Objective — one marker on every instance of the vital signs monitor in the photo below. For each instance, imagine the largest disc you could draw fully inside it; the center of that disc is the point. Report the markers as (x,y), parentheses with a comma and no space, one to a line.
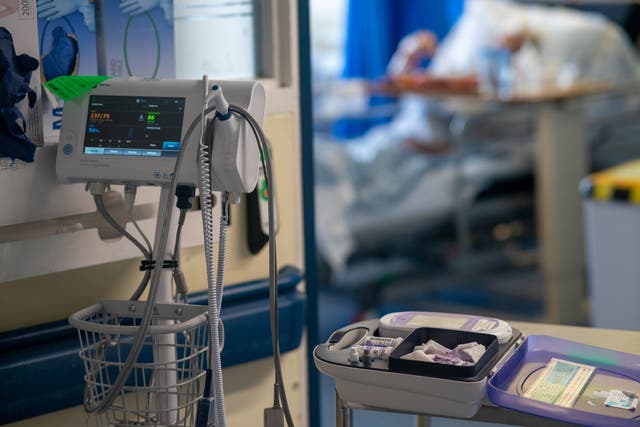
(131,130)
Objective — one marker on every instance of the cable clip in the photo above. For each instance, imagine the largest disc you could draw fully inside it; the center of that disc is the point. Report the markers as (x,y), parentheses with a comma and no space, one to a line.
(226,206)
(151,264)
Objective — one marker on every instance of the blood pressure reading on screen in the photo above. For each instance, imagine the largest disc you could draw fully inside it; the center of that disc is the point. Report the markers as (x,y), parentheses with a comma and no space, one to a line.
(148,126)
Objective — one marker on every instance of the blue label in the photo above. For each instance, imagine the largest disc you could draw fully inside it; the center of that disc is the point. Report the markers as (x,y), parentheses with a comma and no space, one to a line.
(171,145)
(152,153)
(93,150)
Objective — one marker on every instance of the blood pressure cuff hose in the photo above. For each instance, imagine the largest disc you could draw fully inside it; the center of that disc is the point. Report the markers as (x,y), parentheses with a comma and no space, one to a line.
(15,74)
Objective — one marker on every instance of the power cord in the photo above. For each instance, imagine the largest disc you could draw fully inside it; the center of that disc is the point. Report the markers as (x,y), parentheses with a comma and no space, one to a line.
(184,194)
(272,415)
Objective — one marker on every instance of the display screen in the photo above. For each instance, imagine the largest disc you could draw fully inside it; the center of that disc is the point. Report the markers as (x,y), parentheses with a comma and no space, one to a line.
(148,126)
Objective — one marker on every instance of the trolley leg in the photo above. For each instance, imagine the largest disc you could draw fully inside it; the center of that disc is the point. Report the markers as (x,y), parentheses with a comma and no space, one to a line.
(561,163)
(344,414)
(462,200)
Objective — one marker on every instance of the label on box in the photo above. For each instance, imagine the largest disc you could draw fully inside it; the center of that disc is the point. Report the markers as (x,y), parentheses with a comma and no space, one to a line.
(73,54)
(622,399)
(26,9)
(560,383)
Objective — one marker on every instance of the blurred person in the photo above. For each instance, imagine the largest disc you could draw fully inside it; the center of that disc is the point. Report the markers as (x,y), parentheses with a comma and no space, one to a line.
(545,46)
(571,45)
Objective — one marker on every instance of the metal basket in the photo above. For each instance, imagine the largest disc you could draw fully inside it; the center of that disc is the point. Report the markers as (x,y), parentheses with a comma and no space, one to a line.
(107,331)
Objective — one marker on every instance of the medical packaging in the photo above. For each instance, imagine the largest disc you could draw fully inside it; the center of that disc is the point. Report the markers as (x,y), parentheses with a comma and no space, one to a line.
(540,375)
(137,40)
(67,47)
(447,339)
(19,19)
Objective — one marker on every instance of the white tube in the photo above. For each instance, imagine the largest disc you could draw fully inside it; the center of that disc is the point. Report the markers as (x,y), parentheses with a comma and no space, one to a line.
(164,349)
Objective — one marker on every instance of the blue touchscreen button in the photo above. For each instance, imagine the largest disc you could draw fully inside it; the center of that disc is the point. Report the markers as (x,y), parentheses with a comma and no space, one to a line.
(171,145)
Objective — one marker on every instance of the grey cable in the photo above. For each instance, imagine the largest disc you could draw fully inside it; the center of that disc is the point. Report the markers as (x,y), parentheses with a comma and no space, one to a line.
(99,202)
(279,389)
(273,264)
(147,273)
(142,286)
(222,247)
(120,229)
(142,234)
(176,247)
(178,276)
(139,339)
(273,296)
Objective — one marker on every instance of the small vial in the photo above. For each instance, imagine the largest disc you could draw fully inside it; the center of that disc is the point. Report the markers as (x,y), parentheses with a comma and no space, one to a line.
(371,352)
(381,342)
(354,356)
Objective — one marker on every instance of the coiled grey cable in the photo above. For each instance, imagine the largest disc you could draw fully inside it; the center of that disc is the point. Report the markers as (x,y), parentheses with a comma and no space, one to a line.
(215,364)
(279,389)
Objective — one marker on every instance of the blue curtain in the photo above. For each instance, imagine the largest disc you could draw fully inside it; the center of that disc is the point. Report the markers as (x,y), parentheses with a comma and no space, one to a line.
(374,28)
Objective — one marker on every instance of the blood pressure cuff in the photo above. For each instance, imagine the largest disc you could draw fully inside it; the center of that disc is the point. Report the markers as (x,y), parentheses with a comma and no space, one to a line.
(15,74)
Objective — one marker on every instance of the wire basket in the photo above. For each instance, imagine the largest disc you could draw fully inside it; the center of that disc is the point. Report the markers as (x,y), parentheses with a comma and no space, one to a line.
(167,378)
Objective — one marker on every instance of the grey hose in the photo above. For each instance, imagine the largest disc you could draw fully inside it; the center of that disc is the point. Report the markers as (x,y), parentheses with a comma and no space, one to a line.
(273,263)
(178,275)
(99,202)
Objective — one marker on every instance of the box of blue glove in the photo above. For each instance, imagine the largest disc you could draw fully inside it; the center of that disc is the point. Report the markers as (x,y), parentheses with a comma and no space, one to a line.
(21,127)
(66,35)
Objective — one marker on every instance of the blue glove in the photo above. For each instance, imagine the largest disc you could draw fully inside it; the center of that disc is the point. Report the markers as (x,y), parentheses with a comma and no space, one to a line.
(15,74)
(86,9)
(54,9)
(136,7)
(62,58)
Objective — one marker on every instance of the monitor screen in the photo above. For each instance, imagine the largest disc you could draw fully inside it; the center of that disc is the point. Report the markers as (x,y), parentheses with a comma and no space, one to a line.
(149,126)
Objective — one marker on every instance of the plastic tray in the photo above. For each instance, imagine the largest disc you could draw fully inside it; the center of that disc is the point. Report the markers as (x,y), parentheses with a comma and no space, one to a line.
(614,370)
(448,338)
